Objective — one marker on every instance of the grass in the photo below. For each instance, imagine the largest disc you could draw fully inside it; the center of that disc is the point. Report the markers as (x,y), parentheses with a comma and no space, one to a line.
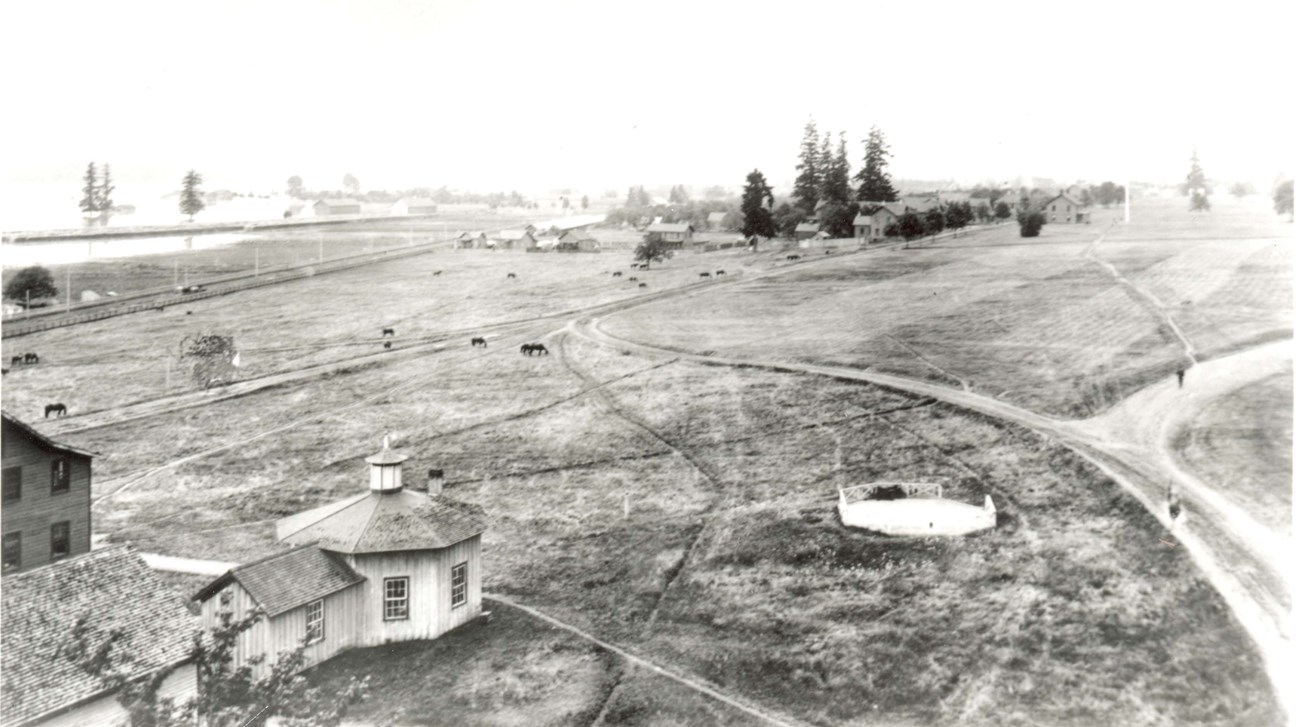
(728,562)
(1246,438)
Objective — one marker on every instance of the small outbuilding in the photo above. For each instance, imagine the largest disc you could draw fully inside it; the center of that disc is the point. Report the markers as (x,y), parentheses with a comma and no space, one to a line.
(577,241)
(415,206)
(674,234)
(717,221)
(912,508)
(514,240)
(388,564)
(471,241)
(331,207)
(1064,208)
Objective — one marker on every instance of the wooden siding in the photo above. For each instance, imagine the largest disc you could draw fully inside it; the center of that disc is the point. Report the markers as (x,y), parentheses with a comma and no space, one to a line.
(178,686)
(38,509)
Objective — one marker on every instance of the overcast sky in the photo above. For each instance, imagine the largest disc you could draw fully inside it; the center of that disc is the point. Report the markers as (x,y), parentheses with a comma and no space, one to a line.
(588,94)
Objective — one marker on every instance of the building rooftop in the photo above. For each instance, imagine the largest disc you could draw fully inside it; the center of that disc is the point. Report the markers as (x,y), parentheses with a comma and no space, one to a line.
(110,589)
(670,227)
(376,522)
(287,580)
(25,430)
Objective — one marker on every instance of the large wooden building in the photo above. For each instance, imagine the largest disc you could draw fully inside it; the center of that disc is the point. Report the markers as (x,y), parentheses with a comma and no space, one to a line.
(673,234)
(1064,208)
(46,503)
(389,564)
(97,594)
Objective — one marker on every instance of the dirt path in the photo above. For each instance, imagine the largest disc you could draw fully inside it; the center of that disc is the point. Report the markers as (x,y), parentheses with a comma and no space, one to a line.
(1226,549)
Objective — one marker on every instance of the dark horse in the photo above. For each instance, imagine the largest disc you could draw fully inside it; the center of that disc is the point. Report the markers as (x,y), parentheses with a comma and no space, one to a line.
(791,257)
(642,285)
(387,345)
(478,341)
(388,332)
(16,361)
(58,409)
(618,274)
(31,358)
(705,275)
(509,275)
(721,272)
(528,349)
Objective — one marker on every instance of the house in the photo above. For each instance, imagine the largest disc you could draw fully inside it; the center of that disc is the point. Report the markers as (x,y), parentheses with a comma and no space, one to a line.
(102,592)
(1064,208)
(559,226)
(1011,199)
(921,204)
(541,243)
(513,240)
(46,502)
(674,234)
(806,230)
(388,564)
(578,241)
(717,220)
(471,241)
(413,206)
(871,227)
(331,207)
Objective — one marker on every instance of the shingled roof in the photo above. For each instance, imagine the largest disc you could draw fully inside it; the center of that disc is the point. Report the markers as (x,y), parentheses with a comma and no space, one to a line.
(113,589)
(285,581)
(25,430)
(376,522)
(670,227)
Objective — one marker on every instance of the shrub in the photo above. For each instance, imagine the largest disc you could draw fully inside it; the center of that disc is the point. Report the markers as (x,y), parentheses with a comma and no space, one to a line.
(1031,223)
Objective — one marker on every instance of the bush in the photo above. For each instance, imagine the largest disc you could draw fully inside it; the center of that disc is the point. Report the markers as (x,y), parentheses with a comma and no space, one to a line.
(1031,223)
(35,281)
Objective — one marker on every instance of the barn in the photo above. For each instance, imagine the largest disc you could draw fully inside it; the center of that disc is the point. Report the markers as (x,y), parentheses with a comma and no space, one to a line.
(577,241)
(388,564)
(331,207)
(103,592)
(515,240)
(805,230)
(674,234)
(46,506)
(471,241)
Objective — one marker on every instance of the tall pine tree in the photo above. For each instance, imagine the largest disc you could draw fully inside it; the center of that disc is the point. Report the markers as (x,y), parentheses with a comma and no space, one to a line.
(758,217)
(191,198)
(836,189)
(104,195)
(90,190)
(1196,186)
(874,184)
(807,184)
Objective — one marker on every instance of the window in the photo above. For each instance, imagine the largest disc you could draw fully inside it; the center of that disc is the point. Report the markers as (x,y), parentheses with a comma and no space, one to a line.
(60,476)
(13,484)
(60,540)
(13,551)
(396,596)
(315,621)
(458,584)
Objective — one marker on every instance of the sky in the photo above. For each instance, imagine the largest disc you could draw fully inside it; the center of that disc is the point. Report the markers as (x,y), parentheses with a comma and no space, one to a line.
(589,95)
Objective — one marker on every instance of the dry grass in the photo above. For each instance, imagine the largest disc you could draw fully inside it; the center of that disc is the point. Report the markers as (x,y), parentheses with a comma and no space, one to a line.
(1245,438)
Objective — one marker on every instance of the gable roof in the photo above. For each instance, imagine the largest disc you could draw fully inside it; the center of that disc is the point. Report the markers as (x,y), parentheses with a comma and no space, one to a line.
(923,203)
(377,522)
(512,234)
(717,216)
(339,202)
(471,235)
(894,208)
(285,581)
(572,236)
(670,227)
(806,227)
(25,430)
(114,589)
(1067,198)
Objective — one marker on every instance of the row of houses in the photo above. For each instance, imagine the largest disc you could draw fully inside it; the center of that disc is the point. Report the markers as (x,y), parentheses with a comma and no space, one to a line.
(1065,207)
(347,206)
(567,234)
(390,563)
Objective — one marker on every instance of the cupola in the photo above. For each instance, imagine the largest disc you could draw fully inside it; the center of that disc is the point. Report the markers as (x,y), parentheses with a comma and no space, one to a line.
(386,469)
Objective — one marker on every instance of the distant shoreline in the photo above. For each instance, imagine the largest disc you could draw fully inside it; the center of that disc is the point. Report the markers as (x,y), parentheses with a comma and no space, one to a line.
(190,229)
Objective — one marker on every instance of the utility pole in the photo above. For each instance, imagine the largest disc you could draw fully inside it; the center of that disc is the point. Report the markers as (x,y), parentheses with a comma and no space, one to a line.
(176,273)
(68,283)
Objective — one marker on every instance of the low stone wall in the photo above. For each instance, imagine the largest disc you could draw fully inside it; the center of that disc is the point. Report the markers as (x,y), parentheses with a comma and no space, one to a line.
(919,516)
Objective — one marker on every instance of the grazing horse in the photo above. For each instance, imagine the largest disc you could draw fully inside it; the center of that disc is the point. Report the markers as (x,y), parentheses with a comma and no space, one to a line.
(478,341)
(31,358)
(58,409)
(437,272)
(642,285)
(721,272)
(528,349)
(16,361)
(618,274)
(636,265)
(644,266)
(791,257)
(388,345)
(705,275)
(388,332)
(509,275)
(631,279)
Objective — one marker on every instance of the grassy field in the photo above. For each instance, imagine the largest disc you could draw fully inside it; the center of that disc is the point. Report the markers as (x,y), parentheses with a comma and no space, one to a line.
(687,511)
(1036,322)
(1246,438)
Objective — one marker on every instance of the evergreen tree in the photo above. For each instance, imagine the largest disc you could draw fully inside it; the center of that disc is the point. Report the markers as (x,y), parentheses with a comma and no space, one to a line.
(295,187)
(104,195)
(1003,211)
(836,188)
(909,226)
(1196,186)
(874,184)
(191,198)
(584,201)
(934,221)
(90,190)
(1284,198)
(807,184)
(824,161)
(758,218)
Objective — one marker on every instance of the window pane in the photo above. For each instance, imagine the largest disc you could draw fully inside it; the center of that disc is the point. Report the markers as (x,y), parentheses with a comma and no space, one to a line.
(13,483)
(315,621)
(458,584)
(13,551)
(59,540)
(60,477)
(395,598)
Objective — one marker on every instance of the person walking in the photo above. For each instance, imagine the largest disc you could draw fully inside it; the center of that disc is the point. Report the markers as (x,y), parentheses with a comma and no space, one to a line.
(1181,373)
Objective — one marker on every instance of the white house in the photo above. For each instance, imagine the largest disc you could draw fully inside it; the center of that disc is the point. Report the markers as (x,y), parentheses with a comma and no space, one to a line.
(107,590)
(414,206)
(388,564)
(330,207)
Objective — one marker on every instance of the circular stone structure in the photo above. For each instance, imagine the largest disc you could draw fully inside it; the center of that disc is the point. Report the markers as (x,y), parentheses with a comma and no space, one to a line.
(912,508)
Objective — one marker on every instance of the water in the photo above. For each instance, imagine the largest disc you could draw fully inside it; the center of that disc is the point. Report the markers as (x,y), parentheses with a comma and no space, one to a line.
(64,252)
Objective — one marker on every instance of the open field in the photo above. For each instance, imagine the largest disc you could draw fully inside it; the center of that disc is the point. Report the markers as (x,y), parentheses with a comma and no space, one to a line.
(1035,322)
(1246,438)
(686,511)
(731,565)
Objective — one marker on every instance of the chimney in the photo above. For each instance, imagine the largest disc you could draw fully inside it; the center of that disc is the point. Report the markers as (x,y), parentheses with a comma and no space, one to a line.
(386,469)
(435,483)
